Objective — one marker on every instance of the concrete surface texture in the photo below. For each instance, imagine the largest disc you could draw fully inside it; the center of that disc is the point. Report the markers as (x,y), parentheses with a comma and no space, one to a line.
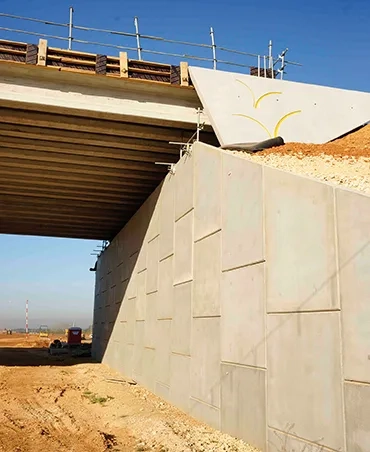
(239,293)
(257,108)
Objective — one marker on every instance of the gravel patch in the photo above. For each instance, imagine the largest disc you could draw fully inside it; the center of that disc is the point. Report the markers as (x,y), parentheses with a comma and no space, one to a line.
(344,162)
(346,171)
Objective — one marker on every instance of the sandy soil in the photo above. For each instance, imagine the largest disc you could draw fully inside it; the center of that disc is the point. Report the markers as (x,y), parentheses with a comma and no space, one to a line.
(68,404)
(343,162)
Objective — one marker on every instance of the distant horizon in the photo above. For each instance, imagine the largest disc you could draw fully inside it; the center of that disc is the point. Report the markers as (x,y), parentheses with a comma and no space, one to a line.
(16,323)
(53,274)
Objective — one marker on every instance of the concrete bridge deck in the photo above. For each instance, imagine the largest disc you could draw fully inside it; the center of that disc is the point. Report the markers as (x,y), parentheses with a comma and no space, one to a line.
(78,147)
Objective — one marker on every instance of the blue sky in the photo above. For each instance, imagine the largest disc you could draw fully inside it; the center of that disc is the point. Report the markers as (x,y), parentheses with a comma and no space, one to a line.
(330,38)
(53,274)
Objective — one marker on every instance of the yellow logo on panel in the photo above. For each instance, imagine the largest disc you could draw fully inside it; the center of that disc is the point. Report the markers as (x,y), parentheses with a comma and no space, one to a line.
(256,104)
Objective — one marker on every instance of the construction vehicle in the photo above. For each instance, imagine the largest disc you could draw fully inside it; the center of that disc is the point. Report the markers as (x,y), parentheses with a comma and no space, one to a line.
(73,346)
(43,331)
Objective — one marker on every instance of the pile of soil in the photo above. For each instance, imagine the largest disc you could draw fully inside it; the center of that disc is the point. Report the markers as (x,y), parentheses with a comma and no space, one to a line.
(345,161)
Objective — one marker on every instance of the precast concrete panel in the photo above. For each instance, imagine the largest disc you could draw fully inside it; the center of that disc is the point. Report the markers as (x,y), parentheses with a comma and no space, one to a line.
(207,273)
(138,350)
(180,381)
(184,248)
(242,212)
(153,213)
(279,441)
(165,289)
(353,216)
(304,382)
(243,403)
(162,391)
(207,413)
(150,328)
(248,109)
(207,190)
(141,296)
(149,361)
(357,409)
(184,187)
(182,318)
(152,270)
(167,218)
(243,316)
(163,348)
(128,359)
(205,360)
(301,272)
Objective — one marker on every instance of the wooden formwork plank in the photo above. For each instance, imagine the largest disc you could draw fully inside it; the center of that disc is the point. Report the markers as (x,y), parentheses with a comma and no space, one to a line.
(123,64)
(41,56)
(184,73)
(57,50)
(68,60)
(13,51)
(150,71)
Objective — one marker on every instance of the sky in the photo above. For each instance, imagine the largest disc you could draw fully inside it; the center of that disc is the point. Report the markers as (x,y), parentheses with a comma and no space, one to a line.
(331,39)
(53,274)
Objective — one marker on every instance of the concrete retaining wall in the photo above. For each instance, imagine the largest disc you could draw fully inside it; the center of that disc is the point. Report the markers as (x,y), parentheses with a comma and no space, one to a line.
(241,294)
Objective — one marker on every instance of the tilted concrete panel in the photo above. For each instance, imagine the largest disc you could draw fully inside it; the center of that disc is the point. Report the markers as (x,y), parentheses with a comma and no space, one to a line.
(353,216)
(149,361)
(182,318)
(305,377)
(180,381)
(184,187)
(150,328)
(127,359)
(207,190)
(167,218)
(281,442)
(153,206)
(165,288)
(206,413)
(357,406)
(242,222)
(301,271)
(243,404)
(125,313)
(132,286)
(152,271)
(243,316)
(184,248)
(138,350)
(163,348)
(162,390)
(205,360)
(207,273)
(141,296)
(245,109)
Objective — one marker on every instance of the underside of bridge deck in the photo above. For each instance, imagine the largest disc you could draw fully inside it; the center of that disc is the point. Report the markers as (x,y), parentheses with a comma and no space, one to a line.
(79,174)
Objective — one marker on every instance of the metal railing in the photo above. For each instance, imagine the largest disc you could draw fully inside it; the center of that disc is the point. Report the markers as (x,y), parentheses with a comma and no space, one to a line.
(262,65)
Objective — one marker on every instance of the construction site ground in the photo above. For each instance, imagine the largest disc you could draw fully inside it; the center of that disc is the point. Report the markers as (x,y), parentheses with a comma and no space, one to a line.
(344,162)
(51,403)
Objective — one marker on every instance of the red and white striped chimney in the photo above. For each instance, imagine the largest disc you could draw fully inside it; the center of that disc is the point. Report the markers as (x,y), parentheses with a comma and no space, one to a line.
(27,317)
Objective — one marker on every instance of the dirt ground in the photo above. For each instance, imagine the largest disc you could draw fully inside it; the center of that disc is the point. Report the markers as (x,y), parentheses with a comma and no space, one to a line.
(50,403)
